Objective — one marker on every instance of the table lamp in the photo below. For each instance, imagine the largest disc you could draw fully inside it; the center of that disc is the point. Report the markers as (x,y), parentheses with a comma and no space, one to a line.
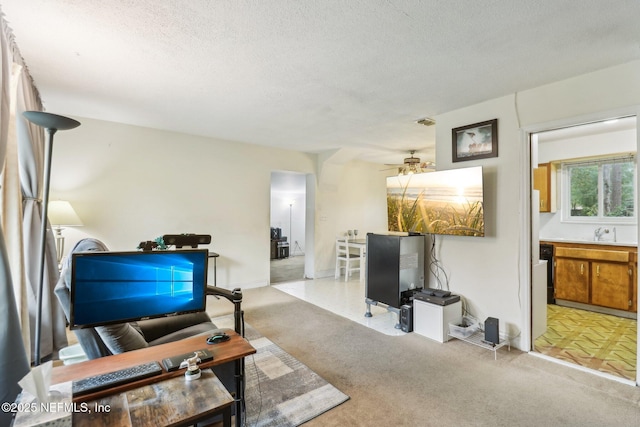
(61,214)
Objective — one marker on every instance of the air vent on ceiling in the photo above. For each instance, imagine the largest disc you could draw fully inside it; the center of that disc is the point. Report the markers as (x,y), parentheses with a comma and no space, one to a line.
(426,121)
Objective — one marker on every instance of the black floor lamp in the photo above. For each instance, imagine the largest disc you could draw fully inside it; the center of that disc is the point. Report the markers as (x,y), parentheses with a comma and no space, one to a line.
(52,123)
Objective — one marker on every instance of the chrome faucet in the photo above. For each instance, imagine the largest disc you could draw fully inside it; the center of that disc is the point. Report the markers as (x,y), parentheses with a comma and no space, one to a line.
(597,234)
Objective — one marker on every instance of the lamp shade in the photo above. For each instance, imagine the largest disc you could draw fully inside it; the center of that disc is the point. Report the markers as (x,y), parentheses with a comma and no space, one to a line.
(50,121)
(61,213)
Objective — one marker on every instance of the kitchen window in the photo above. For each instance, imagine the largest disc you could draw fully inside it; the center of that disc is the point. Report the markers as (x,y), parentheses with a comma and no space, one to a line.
(602,189)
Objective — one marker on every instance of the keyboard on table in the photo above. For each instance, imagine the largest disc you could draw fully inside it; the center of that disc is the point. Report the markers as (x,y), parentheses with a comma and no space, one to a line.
(115,378)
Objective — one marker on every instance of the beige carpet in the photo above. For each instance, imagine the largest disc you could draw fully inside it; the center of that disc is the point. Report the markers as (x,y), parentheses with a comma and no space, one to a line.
(413,381)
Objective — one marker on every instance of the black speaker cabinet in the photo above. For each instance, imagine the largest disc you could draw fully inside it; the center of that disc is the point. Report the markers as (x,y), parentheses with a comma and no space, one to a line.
(492,330)
(406,318)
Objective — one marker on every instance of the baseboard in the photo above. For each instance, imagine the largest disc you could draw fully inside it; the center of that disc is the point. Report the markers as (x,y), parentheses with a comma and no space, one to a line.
(583,368)
(324,273)
(248,285)
(597,309)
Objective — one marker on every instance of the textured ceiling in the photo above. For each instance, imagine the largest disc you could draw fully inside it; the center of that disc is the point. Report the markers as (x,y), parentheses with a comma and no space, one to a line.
(309,75)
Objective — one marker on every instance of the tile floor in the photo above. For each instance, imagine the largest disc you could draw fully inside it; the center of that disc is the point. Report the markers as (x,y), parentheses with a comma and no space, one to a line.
(345,299)
(597,341)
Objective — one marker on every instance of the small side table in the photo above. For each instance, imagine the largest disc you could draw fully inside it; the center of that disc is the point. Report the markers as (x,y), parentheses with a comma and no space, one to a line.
(173,402)
(432,320)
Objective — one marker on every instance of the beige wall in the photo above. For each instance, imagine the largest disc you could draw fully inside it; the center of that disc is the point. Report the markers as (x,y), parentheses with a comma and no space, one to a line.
(351,195)
(130,184)
(485,270)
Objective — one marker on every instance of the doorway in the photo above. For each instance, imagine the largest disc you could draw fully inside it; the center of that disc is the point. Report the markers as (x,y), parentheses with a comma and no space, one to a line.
(288,226)
(581,327)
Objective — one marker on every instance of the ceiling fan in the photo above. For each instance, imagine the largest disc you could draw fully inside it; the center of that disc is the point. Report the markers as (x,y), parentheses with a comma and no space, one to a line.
(413,165)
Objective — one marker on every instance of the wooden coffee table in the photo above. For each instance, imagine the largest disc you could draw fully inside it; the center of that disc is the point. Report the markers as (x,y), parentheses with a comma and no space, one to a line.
(173,402)
(167,395)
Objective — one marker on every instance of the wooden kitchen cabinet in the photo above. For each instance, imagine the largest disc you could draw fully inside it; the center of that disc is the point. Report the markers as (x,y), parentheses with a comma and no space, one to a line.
(634,287)
(604,277)
(544,182)
(572,280)
(611,285)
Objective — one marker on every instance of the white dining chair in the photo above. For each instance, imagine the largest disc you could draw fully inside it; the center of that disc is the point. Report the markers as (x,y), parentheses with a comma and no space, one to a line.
(345,259)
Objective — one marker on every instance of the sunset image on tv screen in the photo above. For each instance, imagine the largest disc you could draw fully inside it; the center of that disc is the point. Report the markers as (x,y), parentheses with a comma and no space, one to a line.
(442,202)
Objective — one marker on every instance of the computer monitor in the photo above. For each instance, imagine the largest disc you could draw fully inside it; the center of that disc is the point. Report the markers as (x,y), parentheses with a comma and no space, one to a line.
(117,287)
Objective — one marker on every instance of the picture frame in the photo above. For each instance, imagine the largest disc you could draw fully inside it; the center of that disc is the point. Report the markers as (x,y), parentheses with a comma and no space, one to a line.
(476,141)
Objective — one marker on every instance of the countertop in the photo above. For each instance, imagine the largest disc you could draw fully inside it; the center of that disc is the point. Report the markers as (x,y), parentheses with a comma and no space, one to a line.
(588,242)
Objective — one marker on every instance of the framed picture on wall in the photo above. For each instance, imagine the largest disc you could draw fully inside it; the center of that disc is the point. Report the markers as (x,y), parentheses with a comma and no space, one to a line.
(476,141)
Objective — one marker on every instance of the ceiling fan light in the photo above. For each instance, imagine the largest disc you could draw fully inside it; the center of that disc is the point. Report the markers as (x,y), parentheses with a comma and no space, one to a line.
(413,165)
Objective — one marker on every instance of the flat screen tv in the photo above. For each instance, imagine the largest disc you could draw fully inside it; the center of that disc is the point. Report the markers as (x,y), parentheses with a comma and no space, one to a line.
(441,202)
(117,287)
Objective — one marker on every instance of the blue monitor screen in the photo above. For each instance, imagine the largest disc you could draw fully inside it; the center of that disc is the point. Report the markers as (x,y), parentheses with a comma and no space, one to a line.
(116,287)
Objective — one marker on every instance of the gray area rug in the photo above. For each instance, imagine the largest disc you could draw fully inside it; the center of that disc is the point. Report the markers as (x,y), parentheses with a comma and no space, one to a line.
(280,390)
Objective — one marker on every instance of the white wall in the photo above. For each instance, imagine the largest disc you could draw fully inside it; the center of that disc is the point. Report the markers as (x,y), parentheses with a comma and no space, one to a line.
(490,272)
(131,184)
(288,208)
(622,141)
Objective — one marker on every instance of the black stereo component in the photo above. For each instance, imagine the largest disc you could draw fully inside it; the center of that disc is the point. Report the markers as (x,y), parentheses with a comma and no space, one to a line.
(406,297)
(276,233)
(180,240)
(433,299)
(492,331)
(406,318)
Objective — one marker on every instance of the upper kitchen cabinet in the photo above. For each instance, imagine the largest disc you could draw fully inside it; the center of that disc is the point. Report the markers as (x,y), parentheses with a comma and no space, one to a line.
(544,181)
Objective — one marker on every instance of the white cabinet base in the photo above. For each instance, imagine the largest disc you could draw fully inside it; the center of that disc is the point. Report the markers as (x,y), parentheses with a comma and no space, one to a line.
(432,320)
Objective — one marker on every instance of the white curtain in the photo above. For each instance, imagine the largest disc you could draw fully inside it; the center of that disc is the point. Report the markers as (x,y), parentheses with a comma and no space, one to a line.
(12,217)
(13,358)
